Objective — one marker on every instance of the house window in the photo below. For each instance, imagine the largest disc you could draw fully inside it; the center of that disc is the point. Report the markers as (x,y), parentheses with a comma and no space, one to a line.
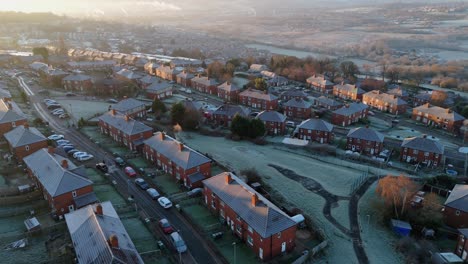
(239,229)
(457,212)
(221,204)
(250,240)
(74,193)
(250,229)
(238,218)
(213,204)
(27,148)
(278,234)
(221,212)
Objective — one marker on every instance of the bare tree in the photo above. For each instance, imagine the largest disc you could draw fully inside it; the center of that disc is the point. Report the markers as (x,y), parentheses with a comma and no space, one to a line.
(395,191)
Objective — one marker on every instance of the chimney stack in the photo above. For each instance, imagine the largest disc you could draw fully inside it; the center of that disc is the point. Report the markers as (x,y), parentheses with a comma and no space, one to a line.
(228,178)
(26,125)
(99,209)
(113,112)
(254,200)
(162,135)
(9,105)
(51,150)
(114,241)
(65,164)
(181,146)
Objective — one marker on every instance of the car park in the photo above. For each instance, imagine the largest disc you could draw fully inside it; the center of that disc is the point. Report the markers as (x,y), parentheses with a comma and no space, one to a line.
(85,157)
(164,202)
(53,106)
(64,115)
(165,226)
(178,242)
(153,193)
(141,183)
(130,172)
(55,137)
(102,167)
(73,151)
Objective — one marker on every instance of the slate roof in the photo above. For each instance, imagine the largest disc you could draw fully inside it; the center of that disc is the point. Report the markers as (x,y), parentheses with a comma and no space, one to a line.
(365,133)
(294,93)
(185,75)
(398,91)
(4,93)
(265,218)
(258,67)
(39,66)
(186,158)
(128,127)
(148,79)
(228,87)
(349,88)
(444,113)
(328,101)
(258,94)
(21,136)
(231,110)
(8,115)
(129,74)
(423,144)
(127,105)
(350,109)
(271,116)
(297,103)
(204,81)
(318,79)
(47,168)
(158,87)
(90,233)
(458,198)
(387,98)
(316,124)
(77,77)
(196,177)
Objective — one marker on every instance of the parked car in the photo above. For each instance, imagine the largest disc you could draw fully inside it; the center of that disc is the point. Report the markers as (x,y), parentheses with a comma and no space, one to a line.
(102,167)
(178,242)
(70,94)
(130,172)
(64,115)
(79,153)
(59,112)
(55,137)
(166,226)
(68,148)
(73,151)
(112,101)
(119,161)
(62,142)
(85,157)
(49,101)
(53,106)
(141,183)
(290,124)
(164,202)
(195,192)
(153,193)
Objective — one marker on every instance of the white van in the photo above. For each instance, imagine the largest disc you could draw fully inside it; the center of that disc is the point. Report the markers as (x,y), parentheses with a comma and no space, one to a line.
(178,242)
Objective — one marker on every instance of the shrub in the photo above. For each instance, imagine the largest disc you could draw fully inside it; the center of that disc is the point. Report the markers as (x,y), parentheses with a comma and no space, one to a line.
(251,175)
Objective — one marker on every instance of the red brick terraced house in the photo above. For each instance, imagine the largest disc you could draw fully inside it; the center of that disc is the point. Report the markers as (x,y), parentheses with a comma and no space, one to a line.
(205,84)
(456,207)
(267,230)
(78,82)
(181,162)
(422,150)
(127,75)
(147,81)
(292,94)
(258,99)
(399,92)
(124,130)
(25,140)
(365,140)
(444,118)
(275,122)
(328,103)
(348,92)
(229,92)
(167,73)
(225,113)
(131,107)
(422,98)
(320,83)
(385,102)
(65,186)
(184,78)
(159,90)
(315,130)
(11,116)
(461,249)
(297,108)
(151,67)
(349,114)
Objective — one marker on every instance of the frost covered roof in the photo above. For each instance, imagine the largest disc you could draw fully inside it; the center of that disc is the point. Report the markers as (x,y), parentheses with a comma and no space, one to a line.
(316,124)
(21,136)
(271,116)
(458,198)
(125,124)
(366,134)
(423,144)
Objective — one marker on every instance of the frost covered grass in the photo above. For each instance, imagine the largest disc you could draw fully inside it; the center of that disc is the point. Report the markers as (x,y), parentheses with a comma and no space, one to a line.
(341,213)
(83,109)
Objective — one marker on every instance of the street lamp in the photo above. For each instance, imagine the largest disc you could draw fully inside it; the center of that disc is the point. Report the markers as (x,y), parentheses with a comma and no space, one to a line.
(234,244)
(464,150)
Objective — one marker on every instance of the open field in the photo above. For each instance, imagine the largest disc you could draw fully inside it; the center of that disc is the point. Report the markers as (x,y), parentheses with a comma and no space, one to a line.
(83,109)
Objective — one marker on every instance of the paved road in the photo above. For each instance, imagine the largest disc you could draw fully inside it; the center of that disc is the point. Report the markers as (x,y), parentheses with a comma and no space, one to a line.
(199,251)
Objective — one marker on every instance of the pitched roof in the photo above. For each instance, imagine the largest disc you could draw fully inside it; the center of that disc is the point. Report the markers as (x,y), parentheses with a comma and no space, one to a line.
(387,98)
(366,134)
(350,109)
(158,86)
(258,67)
(271,116)
(398,91)
(316,124)
(185,75)
(127,105)
(4,93)
(458,198)
(129,74)
(349,88)
(444,113)
(423,144)
(10,112)
(90,233)
(231,110)
(298,103)
(320,79)
(265,218)
(228,87)
(186,157)
(328,101)
(47,168)
(258,94)
(148,79)
(77,77)
(21,136)
(294,93)
(204,81)
(128,127)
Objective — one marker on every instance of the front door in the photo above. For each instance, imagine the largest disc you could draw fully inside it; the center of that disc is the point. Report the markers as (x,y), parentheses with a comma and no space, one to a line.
(283,247)
(260,253)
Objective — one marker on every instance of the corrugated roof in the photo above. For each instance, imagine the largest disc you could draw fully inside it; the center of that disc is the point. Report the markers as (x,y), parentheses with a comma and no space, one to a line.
(316,124)
(128,104)
(444,113)
(265,218)
(458,198)
(186,158)
(91,232)
(271,116)
(47,168)
(21,136)
(366,134)
(129,126)
(350,109)
(423,144)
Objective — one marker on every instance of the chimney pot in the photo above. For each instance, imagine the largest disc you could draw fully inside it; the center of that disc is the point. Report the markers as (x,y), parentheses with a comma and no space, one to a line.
(181,146)
(254,200)
(114,241)
(65,164)
(126,118)
(99,209)
(113,112)
(162,135)
(228,178)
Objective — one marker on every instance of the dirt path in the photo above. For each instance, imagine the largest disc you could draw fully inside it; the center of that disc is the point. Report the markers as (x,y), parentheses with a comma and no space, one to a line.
(331,200)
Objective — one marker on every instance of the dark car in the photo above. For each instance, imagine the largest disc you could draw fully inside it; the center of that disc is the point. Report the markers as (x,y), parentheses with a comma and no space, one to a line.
(70,94)
(102,167)
(119,161)
(166,226)
(141,183)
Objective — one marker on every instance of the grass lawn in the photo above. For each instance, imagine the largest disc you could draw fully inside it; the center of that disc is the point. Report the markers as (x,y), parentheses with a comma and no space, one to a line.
(95,176)
(167,184)
(108,193)
(200,215)
(141,236)
(139,162)
(215,170)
